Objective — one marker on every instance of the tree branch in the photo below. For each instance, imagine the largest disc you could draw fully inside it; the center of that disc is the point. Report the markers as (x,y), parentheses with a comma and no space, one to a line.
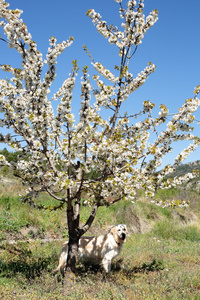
(90,219)
(55,197)
(4,40)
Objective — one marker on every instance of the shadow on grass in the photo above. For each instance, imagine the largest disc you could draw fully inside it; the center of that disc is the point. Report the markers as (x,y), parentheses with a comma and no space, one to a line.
(153,266)
(21,261)
(29,270)
(117,266)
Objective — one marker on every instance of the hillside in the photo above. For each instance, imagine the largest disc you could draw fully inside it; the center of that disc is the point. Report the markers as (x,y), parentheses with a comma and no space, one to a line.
(186,168)
(160,259)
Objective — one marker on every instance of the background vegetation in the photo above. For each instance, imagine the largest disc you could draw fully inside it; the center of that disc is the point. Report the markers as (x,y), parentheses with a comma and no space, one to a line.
(160,260)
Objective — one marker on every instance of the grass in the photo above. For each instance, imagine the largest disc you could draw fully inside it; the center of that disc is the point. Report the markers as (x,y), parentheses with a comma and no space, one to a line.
(171,230)
(160,259)
(148,268)
(15,216)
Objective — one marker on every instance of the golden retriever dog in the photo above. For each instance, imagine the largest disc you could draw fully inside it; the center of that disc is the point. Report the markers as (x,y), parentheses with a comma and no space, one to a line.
(101,249)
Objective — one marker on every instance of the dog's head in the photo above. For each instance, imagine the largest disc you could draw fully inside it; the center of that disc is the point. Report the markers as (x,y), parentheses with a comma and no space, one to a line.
(119,232)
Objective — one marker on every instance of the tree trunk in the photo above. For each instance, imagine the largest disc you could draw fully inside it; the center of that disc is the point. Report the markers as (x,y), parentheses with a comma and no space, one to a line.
(75,232)
(72,253)
(73,217)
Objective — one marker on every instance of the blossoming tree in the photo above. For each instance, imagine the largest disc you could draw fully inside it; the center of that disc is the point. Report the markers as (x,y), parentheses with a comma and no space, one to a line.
(57,152)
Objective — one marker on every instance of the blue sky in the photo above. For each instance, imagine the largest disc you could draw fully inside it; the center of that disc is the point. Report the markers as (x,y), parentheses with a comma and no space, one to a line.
(172,44)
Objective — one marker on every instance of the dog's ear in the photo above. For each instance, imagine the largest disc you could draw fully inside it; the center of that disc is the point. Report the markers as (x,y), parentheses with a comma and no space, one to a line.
(113,230)
(126,228)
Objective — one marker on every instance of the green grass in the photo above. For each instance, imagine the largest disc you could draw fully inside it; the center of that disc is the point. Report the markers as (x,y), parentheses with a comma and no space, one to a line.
(167,194)
(14,216)
(151,211)
(148,268)
(162,263)
(171,230)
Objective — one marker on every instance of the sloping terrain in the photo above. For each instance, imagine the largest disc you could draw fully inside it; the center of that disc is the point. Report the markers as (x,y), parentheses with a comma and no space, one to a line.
(160,259)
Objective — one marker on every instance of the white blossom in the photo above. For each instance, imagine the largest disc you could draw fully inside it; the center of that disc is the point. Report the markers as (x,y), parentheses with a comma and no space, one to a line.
(105,72)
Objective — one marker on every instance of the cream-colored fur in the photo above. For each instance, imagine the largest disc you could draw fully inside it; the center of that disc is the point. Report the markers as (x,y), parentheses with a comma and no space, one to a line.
(101,249)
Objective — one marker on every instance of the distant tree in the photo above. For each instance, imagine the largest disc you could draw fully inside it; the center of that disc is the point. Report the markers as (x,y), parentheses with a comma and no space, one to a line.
(63,152)
(10,156)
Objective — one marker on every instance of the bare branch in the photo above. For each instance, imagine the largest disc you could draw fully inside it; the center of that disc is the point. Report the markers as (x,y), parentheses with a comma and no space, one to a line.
(90,219)
(54,196)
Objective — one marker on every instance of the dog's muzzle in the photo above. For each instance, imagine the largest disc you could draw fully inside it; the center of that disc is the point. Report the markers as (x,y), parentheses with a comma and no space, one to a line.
(123,236)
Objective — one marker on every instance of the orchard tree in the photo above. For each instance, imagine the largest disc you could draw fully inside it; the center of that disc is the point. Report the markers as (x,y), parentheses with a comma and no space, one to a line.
(57,153)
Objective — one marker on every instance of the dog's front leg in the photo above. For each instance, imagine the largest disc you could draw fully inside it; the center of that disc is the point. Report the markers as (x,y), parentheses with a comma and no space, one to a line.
(106,263)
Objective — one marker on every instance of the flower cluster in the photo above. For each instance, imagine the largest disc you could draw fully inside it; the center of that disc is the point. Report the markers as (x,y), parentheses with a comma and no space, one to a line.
(163,111)
(104,94)
(64,108)
(135,25)
(13,21)
(3,161)
(197,90)
(104,72)
(186,152)
(171,203)
(134,16)
(140,79)
(178,180)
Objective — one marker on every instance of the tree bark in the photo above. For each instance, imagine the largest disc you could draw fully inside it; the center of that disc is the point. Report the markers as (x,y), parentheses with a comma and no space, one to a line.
(75,232)
(73,217)
(72,254)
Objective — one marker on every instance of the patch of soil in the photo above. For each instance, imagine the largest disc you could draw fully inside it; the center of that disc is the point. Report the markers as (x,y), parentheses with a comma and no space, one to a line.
(185,219)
